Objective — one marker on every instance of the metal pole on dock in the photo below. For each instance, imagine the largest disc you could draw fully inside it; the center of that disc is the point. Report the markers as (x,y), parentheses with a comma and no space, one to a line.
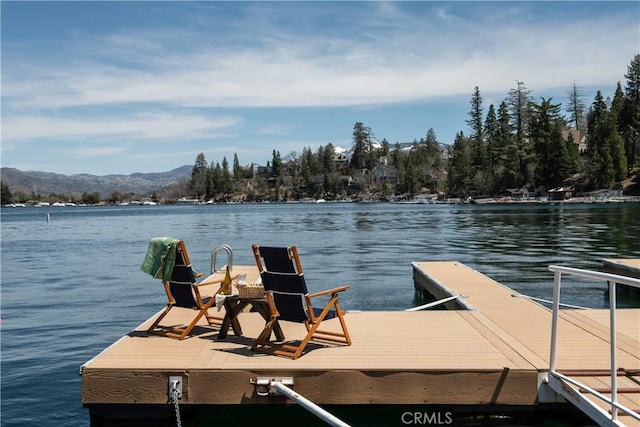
(309,405)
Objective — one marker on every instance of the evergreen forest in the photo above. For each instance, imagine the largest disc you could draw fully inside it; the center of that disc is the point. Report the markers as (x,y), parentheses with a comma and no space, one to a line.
(522,143)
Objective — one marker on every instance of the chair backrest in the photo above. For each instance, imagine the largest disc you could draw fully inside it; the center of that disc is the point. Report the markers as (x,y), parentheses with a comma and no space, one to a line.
(277,259)
(182,279)
(281,273)
(288,290)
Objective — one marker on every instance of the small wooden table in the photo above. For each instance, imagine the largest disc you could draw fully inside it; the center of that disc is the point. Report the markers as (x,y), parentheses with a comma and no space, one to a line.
(234,305)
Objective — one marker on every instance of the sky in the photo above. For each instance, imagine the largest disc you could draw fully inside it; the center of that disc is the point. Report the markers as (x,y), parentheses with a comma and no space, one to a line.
(145,86)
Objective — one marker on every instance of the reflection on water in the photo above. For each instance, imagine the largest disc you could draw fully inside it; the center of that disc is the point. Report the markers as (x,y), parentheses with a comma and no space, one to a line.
(72,286)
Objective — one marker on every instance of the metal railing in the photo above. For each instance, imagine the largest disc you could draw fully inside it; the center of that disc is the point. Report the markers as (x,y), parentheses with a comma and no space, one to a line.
(214,255)
(613,280)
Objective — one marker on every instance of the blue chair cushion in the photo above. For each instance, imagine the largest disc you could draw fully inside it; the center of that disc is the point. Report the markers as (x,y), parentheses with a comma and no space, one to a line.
(330,315)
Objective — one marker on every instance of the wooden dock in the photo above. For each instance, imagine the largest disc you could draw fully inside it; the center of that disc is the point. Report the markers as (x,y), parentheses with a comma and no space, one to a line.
(624,267)
(491,351)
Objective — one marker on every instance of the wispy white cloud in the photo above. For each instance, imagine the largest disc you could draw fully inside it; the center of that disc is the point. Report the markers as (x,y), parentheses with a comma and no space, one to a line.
(432,60)
(155,126)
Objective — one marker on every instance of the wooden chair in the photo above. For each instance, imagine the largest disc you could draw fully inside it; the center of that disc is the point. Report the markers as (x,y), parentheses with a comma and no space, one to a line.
(182,291)
(289,300)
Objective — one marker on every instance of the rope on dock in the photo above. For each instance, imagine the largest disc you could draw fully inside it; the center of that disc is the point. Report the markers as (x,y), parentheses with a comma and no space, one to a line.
(547,301)
(435,303)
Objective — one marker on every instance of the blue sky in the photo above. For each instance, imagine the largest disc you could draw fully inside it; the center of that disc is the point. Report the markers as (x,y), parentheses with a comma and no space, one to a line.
(124,87)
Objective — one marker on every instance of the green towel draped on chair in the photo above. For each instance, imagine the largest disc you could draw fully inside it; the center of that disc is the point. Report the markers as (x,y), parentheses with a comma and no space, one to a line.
(160,258)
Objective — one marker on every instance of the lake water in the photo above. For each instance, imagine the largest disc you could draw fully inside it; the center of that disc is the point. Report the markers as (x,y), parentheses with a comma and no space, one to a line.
(72,286)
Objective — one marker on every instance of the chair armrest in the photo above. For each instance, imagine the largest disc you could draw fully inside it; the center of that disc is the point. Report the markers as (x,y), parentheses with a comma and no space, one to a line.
(209,281)
(329,291)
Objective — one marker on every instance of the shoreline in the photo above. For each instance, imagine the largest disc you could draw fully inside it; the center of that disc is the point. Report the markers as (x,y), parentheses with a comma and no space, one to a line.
(450,201)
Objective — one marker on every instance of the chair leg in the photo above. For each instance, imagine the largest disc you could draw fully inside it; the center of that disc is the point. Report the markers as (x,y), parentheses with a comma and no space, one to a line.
(313,330)
(332,336)
(305,341)
(215,321)
(161,316)
(185,331)
(343,323)
(181,332)
(202,311)
(264,345)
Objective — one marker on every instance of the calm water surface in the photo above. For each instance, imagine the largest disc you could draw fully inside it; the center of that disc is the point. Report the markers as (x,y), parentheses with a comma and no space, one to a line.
(72,286)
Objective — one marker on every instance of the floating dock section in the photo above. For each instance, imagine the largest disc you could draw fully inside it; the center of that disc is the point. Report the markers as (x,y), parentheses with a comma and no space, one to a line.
(624,267)
(483,359)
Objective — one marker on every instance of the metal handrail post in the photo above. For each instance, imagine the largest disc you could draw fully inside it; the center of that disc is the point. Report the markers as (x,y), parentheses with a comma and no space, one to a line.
(554,319)
(614,358)
(214,253)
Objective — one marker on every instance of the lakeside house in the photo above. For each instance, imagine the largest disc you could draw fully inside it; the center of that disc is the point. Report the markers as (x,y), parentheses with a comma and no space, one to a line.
(579,138)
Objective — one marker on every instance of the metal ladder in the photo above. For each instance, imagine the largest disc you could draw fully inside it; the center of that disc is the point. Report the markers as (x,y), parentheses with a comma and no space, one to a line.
(214,255)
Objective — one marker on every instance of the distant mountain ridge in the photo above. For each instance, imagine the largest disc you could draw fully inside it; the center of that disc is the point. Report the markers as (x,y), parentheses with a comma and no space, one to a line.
(45,183)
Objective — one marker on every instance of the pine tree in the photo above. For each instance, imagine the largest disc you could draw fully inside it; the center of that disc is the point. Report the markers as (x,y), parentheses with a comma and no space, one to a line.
(460,166)
(629,116)
(519,100)
(226,185)
(476,136)
(215,180)
(360,140)
(506,149)
(276,165)
(5,194)
(572,155)
(411,176)
(199,177)
(305,167)
(602,172)
(617,104)
(385,147)
(491,133)
(618,156)
(398,159)
(371,152)
(237,170)
(331,178)
(576,106)
(618,150)
(218,173)
(550,147)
